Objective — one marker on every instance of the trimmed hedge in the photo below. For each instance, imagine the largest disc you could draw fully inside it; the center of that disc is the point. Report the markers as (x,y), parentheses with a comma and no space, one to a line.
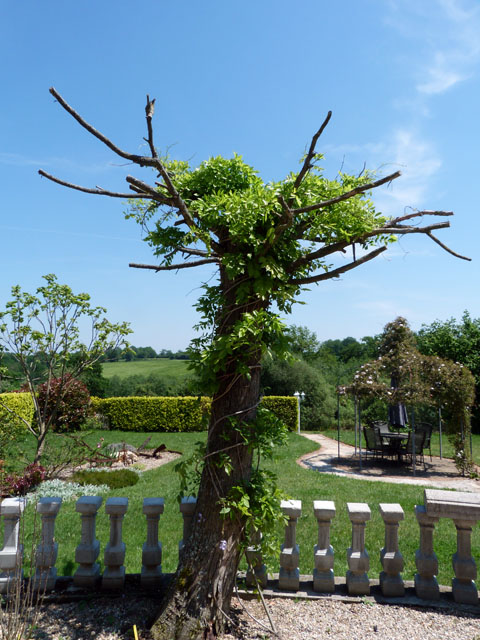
(22,404)
(183,414)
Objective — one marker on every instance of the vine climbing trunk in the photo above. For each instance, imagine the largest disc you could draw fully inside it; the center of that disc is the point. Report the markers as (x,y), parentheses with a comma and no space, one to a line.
(198,600)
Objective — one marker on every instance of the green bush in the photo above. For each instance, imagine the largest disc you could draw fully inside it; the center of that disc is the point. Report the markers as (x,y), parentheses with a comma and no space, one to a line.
(181,414)
(12,428)
(116,479)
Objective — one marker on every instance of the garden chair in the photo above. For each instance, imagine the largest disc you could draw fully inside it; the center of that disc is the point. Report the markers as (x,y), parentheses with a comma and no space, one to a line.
(381,425)
(427,428)
(373,441)
(419,446)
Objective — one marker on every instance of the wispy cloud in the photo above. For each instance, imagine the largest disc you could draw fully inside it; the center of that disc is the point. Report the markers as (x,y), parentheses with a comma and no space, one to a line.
(57,163)
(447,45)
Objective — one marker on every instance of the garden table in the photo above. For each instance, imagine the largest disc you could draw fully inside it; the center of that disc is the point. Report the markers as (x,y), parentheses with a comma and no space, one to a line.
(395,442)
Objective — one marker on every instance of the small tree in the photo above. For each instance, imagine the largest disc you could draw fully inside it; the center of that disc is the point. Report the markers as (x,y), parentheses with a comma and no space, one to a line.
(268,242)
(42,333)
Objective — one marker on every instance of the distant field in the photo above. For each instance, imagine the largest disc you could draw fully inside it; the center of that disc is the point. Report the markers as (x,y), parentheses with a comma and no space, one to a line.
(176,369)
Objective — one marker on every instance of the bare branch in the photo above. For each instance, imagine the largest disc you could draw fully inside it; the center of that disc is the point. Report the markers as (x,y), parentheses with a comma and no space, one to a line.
(195,252)
(96,191)
(416,214)
(173,267)
(149,111)
(140,160)
(143,187)
(337,272)
(311,152)
(349,194)
(444,246)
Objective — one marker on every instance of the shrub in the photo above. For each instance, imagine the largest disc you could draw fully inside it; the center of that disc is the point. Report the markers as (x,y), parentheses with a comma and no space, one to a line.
(14,407)
(18,485)
(181,414)
(66,402)
(114,479)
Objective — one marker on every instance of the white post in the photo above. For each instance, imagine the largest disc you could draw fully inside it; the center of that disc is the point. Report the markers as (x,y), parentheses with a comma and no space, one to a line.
(323,577)
(391,581)
(299,395)
(11,555)
(46,553)
(88,573)
(289,576)
(463,585)
(114,555)
(426,584)
(358,560)
(152,548)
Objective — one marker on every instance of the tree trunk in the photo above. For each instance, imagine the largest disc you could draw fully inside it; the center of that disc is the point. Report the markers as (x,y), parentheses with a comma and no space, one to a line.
(203,584)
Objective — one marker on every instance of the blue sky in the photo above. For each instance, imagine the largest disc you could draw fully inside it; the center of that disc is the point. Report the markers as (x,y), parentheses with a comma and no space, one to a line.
(256,78)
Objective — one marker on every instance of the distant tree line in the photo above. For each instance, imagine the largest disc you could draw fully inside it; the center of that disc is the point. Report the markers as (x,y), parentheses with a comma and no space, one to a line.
(315,368)
(141,353)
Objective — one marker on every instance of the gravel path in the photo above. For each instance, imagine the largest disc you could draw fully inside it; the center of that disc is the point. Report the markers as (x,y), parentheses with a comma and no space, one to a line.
(107,619)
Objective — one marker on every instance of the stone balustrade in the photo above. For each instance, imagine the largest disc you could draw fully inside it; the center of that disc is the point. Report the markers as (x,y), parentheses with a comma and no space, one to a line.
(462,508)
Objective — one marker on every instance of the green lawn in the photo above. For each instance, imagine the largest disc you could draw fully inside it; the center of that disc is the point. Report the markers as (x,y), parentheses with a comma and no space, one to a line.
(298,483)
(176,369)
(348,437)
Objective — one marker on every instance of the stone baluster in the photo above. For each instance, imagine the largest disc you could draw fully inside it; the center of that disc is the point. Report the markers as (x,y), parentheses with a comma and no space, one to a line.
(114,555)
(463,586)
(323,577)
(187,509)
(357,557)
(88,573)
(46,552)
(152,548)
(391,581)
(11,555)
(289,576)
(256,568)
(426,584)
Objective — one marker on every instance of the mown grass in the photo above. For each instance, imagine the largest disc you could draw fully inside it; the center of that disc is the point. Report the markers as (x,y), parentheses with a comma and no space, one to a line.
(348,437)
(296,482)
(175,369)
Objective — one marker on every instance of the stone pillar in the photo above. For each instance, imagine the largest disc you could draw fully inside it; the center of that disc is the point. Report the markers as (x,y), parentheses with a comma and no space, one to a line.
(463,585)
(391,581)
(289,576)
(358,583)
(88,573)
(114,555)
(46,553)
(256,568)
(187,509)
(11,555)
(323,577)
(152,548)
(426,584)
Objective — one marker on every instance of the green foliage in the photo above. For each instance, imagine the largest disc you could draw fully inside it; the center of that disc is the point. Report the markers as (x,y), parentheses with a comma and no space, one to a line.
(16,412)
(286,377)
(116,479)
(458,341)
(153,413)
(175,414)
(42,333)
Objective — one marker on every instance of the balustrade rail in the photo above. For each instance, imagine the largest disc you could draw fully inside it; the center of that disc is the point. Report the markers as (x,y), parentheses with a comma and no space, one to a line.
(462,508)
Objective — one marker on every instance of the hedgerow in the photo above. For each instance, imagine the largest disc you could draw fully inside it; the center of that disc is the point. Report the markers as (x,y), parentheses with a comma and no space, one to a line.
(183,414)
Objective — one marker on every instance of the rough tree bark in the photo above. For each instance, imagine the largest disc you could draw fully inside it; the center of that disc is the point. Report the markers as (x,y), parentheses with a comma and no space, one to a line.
(200,593)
